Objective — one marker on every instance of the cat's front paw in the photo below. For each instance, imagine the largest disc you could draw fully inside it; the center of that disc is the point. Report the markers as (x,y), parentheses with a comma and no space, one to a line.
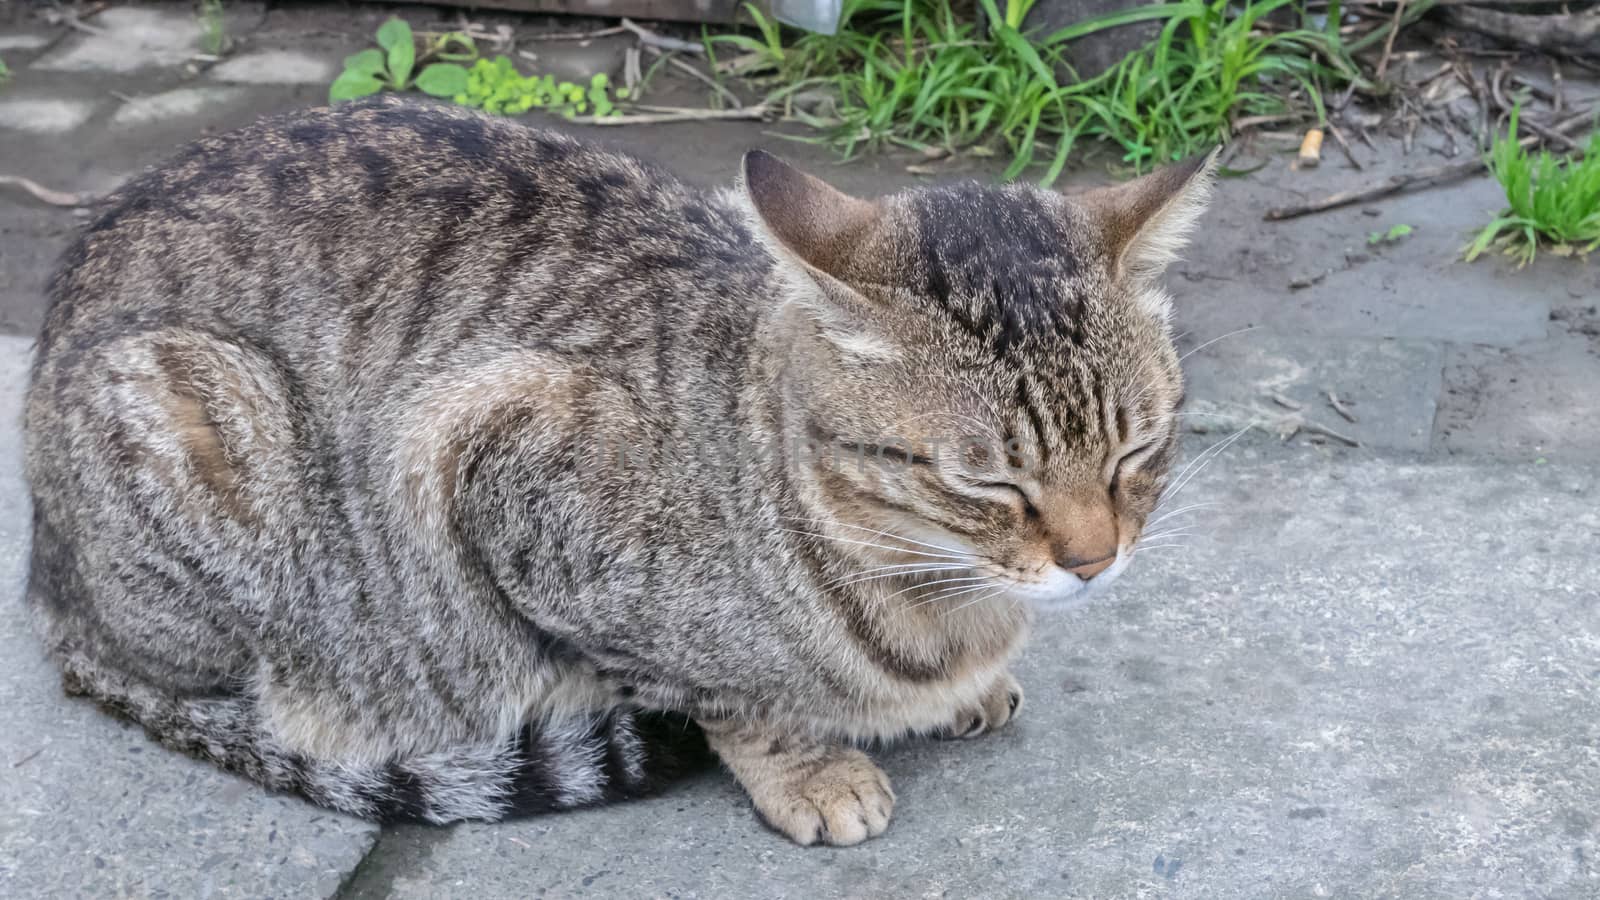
(999,706)
(841,799)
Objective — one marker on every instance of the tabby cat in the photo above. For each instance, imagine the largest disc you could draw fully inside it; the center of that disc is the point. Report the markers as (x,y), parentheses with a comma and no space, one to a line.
(437,468)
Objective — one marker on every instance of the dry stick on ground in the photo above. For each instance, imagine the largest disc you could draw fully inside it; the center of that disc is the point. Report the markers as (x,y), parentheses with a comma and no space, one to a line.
(1428,177)
(1340,408)
(650,38)
(54,198)
(1485,123)
(1354,5)
(1576,34)
(1537,91)
(688,69)
(1325,431)
(666,114)
(1503,101)
(573,35)
(1388,43)
(1278,398)
(1338,138)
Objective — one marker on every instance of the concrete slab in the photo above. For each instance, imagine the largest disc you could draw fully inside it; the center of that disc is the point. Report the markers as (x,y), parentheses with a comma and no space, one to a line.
(1391,387)
(24,41)
(1365,679)
(275,67)
(129,39)
(179,103)
(44,115)
(90,807)
(1533,401)
(1318,275)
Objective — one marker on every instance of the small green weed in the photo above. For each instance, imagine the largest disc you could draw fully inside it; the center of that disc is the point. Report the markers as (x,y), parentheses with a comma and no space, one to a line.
(911,72)
(5,73)
(214,38)
(493,86)
(390,67)
(1551,201)
(1392,236)
(497,87)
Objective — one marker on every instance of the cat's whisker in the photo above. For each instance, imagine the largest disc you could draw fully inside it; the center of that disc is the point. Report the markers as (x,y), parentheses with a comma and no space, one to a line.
(829,537)
(1175,528)
(1218,451)
(818,520)
(953,592)
(1216,339)
(995,593)
(1176,512)
(1205,459)
(936,583)
(1167,495)
(948,594)
(914,570)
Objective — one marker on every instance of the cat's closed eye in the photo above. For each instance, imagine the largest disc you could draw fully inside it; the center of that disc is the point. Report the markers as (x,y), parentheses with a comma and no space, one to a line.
(1133,458)
(1006,492)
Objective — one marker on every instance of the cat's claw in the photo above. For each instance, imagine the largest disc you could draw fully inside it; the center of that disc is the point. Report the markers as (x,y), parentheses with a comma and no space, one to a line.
(999,706)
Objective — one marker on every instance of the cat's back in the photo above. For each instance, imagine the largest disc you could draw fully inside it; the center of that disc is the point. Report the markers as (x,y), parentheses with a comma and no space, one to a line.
(389,224)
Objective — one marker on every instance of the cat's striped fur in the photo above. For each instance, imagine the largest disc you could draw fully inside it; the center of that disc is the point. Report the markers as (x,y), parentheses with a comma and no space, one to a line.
(324,437)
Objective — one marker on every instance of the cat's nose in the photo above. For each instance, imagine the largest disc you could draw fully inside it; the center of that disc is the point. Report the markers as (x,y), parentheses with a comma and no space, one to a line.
(1088,570)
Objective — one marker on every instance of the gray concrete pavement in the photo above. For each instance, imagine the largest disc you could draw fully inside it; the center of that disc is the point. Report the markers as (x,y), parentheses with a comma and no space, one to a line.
(1369,671)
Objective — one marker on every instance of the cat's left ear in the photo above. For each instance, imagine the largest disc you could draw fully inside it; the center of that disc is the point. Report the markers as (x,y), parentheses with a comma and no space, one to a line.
(806,217)
(1146,222)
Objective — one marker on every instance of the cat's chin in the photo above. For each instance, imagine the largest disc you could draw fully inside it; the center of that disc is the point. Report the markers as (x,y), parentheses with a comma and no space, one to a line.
(1063,590)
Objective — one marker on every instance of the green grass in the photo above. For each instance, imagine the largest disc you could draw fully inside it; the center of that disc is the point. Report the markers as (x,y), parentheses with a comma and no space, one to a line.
(1552,202)
(914,73)
(214,38)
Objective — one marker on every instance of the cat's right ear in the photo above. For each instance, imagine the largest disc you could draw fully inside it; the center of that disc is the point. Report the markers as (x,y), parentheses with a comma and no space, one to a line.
(806,217)
(1144,223)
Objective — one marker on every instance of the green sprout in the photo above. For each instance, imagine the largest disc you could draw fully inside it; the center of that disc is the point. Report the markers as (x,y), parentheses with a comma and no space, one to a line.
(1393,235)
(390,66)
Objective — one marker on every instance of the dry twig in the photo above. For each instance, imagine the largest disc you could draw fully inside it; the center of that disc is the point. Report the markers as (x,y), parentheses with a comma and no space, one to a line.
(715,85)
(662,115)
(1388,43)
(1575,34)
(1338,138)
(650,38)
(1325,431)
(1340,408)
(46,195)
(1285,402)
(1426,177)
(574,35)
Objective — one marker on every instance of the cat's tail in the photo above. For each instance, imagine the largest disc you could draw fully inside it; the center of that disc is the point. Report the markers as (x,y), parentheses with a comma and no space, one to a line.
(549,767)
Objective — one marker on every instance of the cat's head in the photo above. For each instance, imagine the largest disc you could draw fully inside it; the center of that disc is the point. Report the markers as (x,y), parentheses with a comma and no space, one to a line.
(985,374)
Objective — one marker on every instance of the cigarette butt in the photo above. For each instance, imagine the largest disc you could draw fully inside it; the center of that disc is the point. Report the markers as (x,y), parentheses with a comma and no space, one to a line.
(1311,149)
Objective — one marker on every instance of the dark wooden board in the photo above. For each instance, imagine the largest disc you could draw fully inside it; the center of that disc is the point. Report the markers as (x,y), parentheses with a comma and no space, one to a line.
(715,12)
